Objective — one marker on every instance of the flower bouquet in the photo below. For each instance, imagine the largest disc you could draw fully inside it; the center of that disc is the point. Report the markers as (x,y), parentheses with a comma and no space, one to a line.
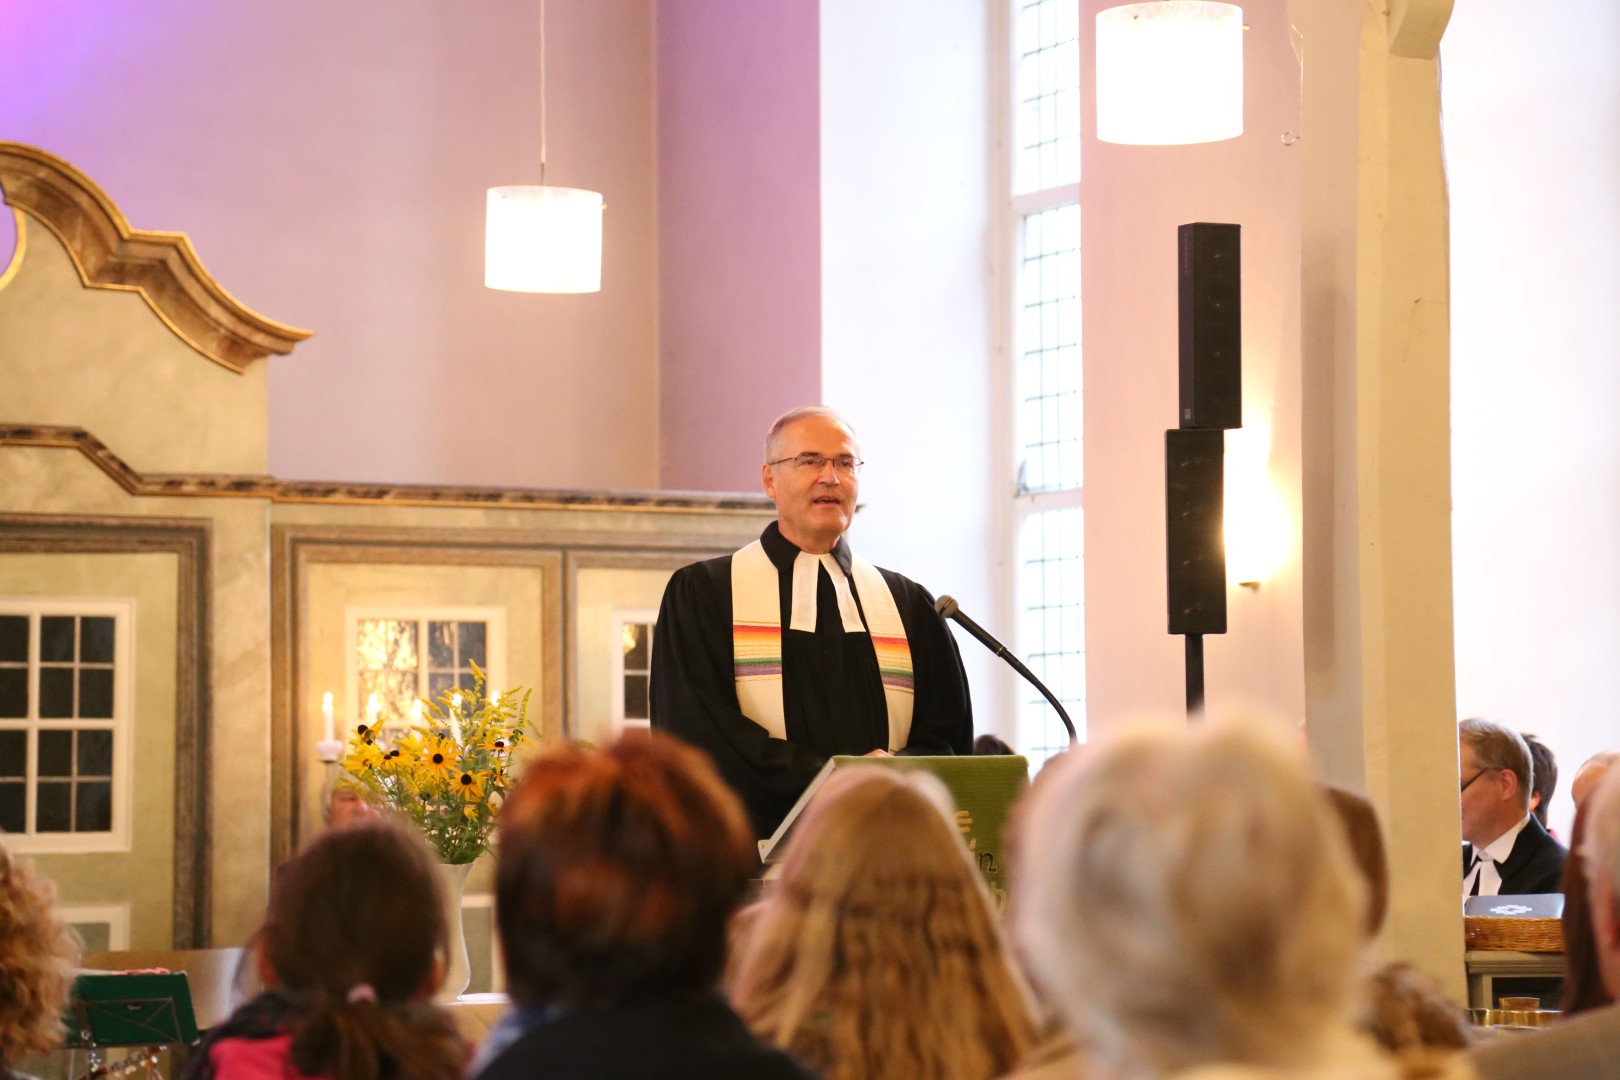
(449,772)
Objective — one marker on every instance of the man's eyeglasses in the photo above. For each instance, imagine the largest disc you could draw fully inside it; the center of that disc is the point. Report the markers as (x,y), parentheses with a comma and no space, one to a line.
(1469,782)
(843,464)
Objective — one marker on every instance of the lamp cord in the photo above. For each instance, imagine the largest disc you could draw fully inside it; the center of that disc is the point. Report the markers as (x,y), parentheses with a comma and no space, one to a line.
(542,93)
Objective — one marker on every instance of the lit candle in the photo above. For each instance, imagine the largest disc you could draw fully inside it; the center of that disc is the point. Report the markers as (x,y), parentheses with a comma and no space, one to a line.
(494,699)
(326,712)
(416,712)
(373,707)
(455,717)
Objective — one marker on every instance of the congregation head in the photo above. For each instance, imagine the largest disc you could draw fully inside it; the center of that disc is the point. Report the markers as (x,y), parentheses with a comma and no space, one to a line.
(357,911)
(1590,775)
(1495,777)
(1543,776)
(1366,840)
(1601,855)
(1154,836)
(617,870)
(879,838)
(878,953)
(37,954)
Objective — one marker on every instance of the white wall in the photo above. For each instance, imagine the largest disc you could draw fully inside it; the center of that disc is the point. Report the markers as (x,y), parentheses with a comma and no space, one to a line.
(907,326)
(1532,99)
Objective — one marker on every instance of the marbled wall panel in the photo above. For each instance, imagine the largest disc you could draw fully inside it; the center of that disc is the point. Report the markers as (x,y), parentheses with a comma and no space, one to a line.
(101,360)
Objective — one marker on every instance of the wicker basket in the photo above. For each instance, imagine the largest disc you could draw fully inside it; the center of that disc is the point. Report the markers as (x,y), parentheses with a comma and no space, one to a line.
(1513,935)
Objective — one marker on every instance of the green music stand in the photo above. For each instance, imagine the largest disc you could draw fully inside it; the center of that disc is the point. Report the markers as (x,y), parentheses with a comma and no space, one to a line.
(110,1010)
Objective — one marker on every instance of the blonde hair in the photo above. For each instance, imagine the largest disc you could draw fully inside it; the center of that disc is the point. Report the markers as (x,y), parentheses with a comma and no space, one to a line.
(1199,905)
(37,954)
(877,952)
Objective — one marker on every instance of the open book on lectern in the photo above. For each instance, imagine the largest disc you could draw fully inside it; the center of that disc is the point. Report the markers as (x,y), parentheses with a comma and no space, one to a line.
(983,788)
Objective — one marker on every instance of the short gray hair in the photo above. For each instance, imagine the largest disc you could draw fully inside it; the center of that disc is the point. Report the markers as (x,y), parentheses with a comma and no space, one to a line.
(1194,901)
(793,416)
(1497,746)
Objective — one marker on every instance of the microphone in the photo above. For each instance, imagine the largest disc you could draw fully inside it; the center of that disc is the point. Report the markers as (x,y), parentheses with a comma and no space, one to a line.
(949,609)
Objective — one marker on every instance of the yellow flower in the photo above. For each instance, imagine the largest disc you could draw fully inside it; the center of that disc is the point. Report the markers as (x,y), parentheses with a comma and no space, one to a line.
(438,759)
(409,745)
(364,756)
(469,785)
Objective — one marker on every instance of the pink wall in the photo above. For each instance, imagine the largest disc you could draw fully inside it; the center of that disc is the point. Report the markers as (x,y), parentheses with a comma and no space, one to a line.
(329,162)
(1132,200)
(739,223)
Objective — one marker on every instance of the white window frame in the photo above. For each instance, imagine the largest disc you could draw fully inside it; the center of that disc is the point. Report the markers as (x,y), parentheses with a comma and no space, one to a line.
(623,617)
(493,618)
(115,917)
(1011,211)
(122,724)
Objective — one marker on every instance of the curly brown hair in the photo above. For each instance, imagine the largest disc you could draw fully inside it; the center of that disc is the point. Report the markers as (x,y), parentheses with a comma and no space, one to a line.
(37,954)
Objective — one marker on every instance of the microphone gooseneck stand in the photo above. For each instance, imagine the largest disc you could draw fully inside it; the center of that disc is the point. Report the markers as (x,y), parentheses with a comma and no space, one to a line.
(947,607)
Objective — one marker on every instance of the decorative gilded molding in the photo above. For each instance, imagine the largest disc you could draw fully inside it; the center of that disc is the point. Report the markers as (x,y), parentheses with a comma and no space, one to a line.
(18,251)
(162,267)
(214,486)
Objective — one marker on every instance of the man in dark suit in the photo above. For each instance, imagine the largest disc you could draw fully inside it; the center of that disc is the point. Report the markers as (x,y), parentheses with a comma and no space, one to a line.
(1507,851)
(1583,1047)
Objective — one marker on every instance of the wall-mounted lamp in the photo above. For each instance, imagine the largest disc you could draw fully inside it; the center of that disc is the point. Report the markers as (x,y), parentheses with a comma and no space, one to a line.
(1256,521)
(543,239)
(1169,73)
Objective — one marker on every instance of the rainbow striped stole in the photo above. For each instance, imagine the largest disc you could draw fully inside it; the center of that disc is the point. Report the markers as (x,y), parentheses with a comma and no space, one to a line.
(756,650)
(894,662)
(756,635)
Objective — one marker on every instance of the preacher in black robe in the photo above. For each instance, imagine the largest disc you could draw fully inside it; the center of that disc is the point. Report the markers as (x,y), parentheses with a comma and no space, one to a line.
(832,692)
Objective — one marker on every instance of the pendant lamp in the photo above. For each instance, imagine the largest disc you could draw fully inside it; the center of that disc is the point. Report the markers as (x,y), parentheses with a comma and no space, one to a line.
(543,239)
(1169,73)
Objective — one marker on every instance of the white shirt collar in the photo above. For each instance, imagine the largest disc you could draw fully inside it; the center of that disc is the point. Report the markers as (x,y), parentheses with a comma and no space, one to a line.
(1499,849)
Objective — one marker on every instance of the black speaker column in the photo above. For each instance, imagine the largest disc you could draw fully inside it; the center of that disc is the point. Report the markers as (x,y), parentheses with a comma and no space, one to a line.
(1211,401)
(1193,462)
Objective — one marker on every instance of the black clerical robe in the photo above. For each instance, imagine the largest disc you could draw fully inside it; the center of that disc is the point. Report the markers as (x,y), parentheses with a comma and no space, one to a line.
(832,691)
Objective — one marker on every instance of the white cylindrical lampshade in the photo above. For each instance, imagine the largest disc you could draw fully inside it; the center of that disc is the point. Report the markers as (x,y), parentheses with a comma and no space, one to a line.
(543,239)
(1169,73)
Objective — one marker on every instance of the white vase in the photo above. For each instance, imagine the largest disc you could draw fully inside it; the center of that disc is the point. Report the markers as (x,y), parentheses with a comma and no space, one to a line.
(458,971)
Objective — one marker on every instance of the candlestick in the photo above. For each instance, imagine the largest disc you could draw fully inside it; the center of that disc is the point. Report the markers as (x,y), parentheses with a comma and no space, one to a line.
(326,711)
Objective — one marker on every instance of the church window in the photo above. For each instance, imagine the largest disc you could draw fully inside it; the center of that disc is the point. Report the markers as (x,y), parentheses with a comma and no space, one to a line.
(400,656)
(632,654)
(65,718)
(1047,422)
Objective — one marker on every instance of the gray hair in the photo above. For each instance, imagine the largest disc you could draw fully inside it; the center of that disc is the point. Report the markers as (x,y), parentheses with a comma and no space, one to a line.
(1497,746)
(793,416)
(1195,901)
